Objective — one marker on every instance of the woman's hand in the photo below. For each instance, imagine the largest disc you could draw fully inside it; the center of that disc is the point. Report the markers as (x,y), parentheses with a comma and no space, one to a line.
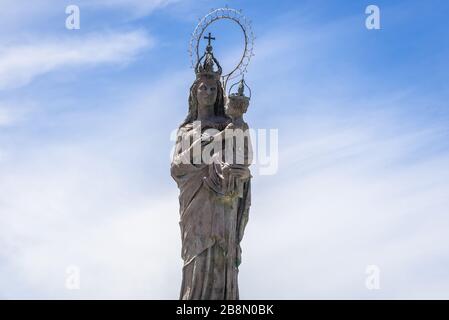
(239,171)
(235,171)
(206,139)
(219,136)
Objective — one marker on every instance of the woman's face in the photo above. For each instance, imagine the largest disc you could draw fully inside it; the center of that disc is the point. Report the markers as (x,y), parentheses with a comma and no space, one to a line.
(207,93)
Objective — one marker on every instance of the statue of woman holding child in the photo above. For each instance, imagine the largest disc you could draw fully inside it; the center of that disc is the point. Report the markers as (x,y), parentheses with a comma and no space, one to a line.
(215,193)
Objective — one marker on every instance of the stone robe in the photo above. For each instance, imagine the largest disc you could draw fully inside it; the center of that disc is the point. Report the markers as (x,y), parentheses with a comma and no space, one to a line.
(212,225)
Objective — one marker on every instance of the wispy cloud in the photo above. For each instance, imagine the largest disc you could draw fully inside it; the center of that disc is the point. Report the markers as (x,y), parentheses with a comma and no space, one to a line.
(44,229)
(360,181)
(137,7)
(20,64)
(351,196)
(6,116)
(84,193)
(20,15)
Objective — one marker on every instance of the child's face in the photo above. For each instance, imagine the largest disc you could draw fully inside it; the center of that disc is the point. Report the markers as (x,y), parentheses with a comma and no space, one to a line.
(235,107)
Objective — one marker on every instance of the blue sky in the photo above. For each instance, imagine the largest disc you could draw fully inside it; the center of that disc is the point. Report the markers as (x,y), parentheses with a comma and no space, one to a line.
(362,116)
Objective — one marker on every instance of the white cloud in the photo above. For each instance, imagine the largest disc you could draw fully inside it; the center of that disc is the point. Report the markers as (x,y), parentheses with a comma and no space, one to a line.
(358,184)
(79,202)
(137,7)
(345,200)
(6,117)
(20,64)
(12,113)
(71,204)
(74,211)
(20,15)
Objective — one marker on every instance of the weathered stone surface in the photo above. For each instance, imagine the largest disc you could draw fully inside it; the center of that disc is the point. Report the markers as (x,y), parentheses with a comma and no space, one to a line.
(215,197)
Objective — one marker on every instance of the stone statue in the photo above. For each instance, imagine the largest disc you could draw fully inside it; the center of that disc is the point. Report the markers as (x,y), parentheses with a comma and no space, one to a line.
(215,196)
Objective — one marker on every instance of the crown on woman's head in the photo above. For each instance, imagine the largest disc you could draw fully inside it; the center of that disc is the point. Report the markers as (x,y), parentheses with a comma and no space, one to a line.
(205,65)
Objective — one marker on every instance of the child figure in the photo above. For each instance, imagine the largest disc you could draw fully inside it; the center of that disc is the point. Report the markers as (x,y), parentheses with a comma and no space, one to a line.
(241,149)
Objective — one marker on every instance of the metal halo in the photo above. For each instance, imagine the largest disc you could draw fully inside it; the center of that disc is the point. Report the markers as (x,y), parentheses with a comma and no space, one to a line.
(245,25)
